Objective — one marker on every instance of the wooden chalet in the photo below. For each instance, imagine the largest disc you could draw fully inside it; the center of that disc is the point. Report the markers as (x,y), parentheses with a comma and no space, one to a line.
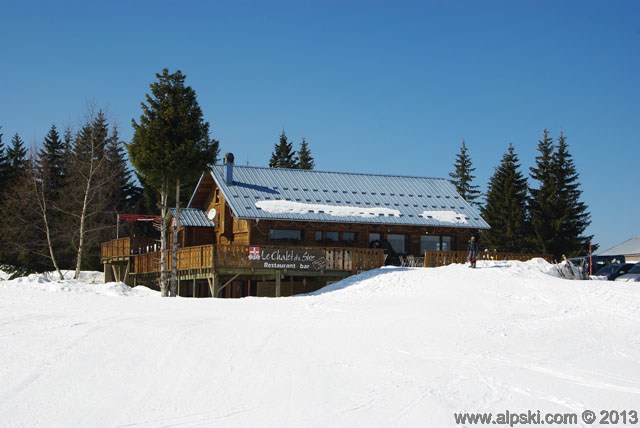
(251,231)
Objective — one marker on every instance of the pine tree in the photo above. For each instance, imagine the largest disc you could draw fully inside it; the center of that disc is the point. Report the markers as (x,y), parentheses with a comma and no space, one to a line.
(171,145)
(505,208)
(304,159)
(16,158)
(462,177)
(543,200)
(572,213)
(51,164)
(124,194)
(4,168)
(283,155)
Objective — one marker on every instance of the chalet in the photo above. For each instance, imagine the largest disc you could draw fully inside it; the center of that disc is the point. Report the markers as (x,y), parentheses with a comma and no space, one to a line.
(252,231)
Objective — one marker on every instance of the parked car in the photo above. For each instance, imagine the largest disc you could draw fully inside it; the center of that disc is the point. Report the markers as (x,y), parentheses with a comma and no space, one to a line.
(598,262)
(632,276)
(611,272)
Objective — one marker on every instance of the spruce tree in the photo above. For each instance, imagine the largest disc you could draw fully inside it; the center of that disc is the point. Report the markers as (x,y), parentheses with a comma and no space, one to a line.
(51,163)
(16,159)
(305,160)
(462,177)
(4,168)
(283,155)
(572,213)
(543,200)
(170,146)
(505,208)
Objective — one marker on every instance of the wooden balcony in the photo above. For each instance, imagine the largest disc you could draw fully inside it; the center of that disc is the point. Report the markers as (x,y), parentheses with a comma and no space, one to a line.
(125,247)
(230,258)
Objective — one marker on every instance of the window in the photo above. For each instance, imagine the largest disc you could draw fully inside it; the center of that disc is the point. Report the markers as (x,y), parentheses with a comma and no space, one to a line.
(285,235)
(435,243)
(348,236)
(447,243)
(397,242)
(331,235)
(429,243)
(318,235)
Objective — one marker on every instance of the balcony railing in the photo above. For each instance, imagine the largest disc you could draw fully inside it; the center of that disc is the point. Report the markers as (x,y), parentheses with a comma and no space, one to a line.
(236,257)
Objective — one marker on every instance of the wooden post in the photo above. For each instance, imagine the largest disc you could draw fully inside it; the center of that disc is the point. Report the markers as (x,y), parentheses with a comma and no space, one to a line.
(126,272)
(108,273)
(194,286)
(278,284)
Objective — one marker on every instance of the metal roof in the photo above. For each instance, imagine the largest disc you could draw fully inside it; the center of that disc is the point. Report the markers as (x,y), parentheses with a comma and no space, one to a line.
(630,246)
(192,217)
(410,196)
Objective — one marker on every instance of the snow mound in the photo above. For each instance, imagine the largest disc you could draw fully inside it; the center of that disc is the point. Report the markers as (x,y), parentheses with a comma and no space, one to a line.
(403,281)
(89,283)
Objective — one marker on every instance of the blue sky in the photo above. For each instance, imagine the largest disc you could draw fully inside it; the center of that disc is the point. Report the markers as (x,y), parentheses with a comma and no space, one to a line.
(382,87)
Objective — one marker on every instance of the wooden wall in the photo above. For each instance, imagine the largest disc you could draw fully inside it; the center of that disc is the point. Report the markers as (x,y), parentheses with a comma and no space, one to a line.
(230,230)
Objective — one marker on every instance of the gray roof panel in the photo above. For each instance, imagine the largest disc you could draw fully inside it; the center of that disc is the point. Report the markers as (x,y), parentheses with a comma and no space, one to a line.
(192,217)
(409,196)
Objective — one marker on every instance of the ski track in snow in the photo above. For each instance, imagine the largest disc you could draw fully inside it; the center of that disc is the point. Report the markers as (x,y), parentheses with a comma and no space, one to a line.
(395,347)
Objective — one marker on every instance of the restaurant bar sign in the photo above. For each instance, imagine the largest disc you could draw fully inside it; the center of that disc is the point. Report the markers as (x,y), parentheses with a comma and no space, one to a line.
(274,258)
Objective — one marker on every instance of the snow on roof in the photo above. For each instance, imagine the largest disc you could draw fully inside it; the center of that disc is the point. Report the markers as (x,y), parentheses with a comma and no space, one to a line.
(285,207)
(303,195)
(630,246)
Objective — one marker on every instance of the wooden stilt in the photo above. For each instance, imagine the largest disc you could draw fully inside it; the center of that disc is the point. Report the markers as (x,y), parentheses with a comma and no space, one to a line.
(278,284)
(227,283)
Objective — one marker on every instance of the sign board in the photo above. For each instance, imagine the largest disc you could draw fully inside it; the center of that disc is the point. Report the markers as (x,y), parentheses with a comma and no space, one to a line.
(274,258)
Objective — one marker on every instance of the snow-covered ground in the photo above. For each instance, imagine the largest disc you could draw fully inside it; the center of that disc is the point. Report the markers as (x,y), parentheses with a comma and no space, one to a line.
(394,347)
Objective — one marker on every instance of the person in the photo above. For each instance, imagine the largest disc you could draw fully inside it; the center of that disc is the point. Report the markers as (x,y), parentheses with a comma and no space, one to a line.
(472,257)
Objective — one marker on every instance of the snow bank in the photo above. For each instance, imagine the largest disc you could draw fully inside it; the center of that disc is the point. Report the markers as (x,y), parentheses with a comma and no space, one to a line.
(89,282)
(403,347)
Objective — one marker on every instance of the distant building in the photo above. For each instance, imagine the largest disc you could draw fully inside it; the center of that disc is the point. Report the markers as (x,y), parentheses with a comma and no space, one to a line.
(629,248)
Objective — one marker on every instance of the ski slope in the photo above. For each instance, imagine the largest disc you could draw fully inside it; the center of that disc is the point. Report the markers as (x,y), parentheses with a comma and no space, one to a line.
(394,347)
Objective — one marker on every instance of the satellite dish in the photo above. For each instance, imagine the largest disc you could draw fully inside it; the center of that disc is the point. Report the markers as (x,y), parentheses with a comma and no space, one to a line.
(211,214)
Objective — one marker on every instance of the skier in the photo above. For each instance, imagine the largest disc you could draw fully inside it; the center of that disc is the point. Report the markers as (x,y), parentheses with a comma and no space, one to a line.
(473,252)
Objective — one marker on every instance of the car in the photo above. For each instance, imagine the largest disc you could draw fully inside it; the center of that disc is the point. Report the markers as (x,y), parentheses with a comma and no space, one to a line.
(598,262)
(632,276)
(611,272)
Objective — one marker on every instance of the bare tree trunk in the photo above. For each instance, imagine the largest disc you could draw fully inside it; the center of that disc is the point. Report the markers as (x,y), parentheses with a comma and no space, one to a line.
(42,206)
(174,249)
(164,196)
(83,213)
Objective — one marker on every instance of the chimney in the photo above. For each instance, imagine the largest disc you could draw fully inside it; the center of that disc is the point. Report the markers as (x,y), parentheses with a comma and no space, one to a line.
(228,168)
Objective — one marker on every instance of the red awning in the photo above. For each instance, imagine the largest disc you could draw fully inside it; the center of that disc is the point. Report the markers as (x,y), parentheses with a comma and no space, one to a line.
(138,217)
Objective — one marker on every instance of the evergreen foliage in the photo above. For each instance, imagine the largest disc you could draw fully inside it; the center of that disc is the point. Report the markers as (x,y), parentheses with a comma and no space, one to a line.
(283,155)
(462,177)
(51,163)
(171,147)
(16,159)
(505,208)
(4,168)
(543,199)
(305,160)
(558,217)
(572,213)
(171,140)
